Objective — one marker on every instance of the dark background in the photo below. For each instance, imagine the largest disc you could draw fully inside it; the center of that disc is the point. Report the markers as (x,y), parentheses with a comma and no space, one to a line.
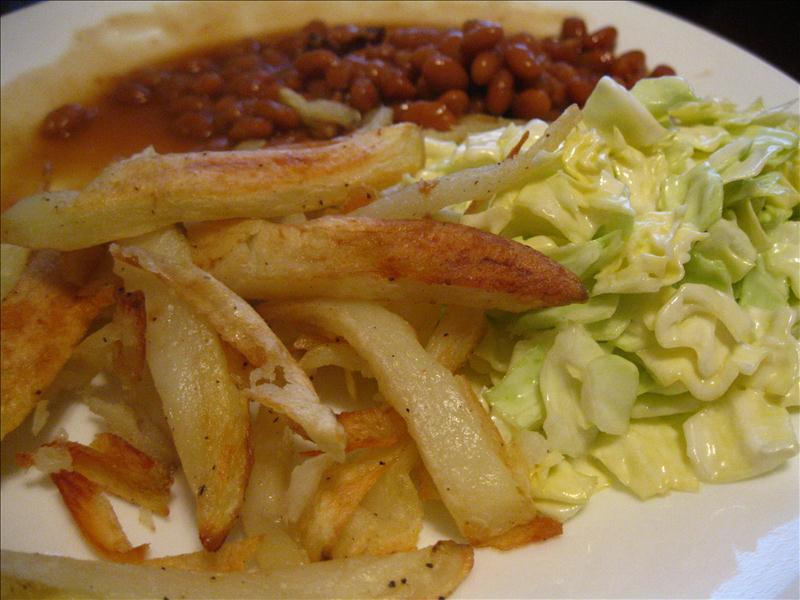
(770,30)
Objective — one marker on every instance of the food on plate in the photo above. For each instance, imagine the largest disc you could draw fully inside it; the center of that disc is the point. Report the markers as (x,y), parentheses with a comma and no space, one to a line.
(150,191)
(370,259)
(505,318)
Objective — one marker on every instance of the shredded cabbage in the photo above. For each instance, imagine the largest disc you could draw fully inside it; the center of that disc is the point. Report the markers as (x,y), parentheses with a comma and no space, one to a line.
(681,215)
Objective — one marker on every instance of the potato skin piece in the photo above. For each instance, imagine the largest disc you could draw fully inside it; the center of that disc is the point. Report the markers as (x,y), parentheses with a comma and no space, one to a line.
(371,259)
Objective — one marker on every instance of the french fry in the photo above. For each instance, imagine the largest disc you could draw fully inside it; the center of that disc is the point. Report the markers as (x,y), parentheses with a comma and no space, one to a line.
(208,416)
(456,336)
(122,470)
(95,517)
(333,354)
(456,439)
(426,197)
(264,500)
(277,381)
(150,191)
(368,259)
(537,530)
(432,572)
(129,354)
(41,320)
(389,517)
(12,264)
(235,557)
(340,491)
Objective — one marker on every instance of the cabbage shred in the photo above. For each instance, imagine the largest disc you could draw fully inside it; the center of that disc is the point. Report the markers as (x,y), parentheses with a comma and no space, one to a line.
(681,215)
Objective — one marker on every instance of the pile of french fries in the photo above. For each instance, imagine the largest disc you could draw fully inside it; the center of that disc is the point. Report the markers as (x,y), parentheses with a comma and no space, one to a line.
(197,303)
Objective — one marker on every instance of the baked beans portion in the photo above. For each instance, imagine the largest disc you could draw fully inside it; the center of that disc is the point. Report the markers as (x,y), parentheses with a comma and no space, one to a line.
(429,76)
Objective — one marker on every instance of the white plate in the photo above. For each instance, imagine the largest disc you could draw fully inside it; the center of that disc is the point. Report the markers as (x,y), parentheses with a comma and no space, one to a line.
(738,540)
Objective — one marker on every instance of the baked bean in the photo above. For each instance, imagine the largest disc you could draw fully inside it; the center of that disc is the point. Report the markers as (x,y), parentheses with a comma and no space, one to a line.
(457,101)
(314,63)
(662,71)
(522,62)
(363,95)
(573,27)
(599,61)
(412,37)
(198,125)
(531,104)
(65,121)
(250,128)
(579,90)
(444,73)
(282,116)
(500,93)
(450,45)
(431,76)
(394,85)
(604,39)
(207,83)
(480,36)
(431,114)
(339,74)
(132,93)
(484,66)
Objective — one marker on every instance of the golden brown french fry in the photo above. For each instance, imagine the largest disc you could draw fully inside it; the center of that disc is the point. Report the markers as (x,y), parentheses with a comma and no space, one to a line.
(96,518)
(427,197)
(277,381)
(41,321)
(129,354)
(208,416)
(456,439)
(341,490)
(120,469)
(231,557)
(432,572)
(150,191)
(389,517)
(538,530)
(368,259)
(456,336)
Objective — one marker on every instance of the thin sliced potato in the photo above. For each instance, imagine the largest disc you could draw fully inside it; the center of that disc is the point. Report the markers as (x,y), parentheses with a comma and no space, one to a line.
(122,470)
(426,197)
(341,490)
(456,336)
(208,416)
(231,557)
(129,355)
(538,530)
(368,259)
(96,518)
(456,439)
(150,191)
(277,381)
(389,518)
(42,320)
(432,572)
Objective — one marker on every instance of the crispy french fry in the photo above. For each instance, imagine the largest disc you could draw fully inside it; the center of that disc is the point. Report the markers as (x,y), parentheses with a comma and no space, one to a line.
(427,197)
(129,354)
(367,259)
(456,336)
(42,320)
(209,417)
(231,557)
(341,490)
(389,517)
(432,572)
(277,381)
(376,427)
(120,469)
(95,517)
(455,437)
(150,191)
(538,530)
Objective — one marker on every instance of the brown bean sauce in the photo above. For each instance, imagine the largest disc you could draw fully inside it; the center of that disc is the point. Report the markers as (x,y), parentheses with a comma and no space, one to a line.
(219,98)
